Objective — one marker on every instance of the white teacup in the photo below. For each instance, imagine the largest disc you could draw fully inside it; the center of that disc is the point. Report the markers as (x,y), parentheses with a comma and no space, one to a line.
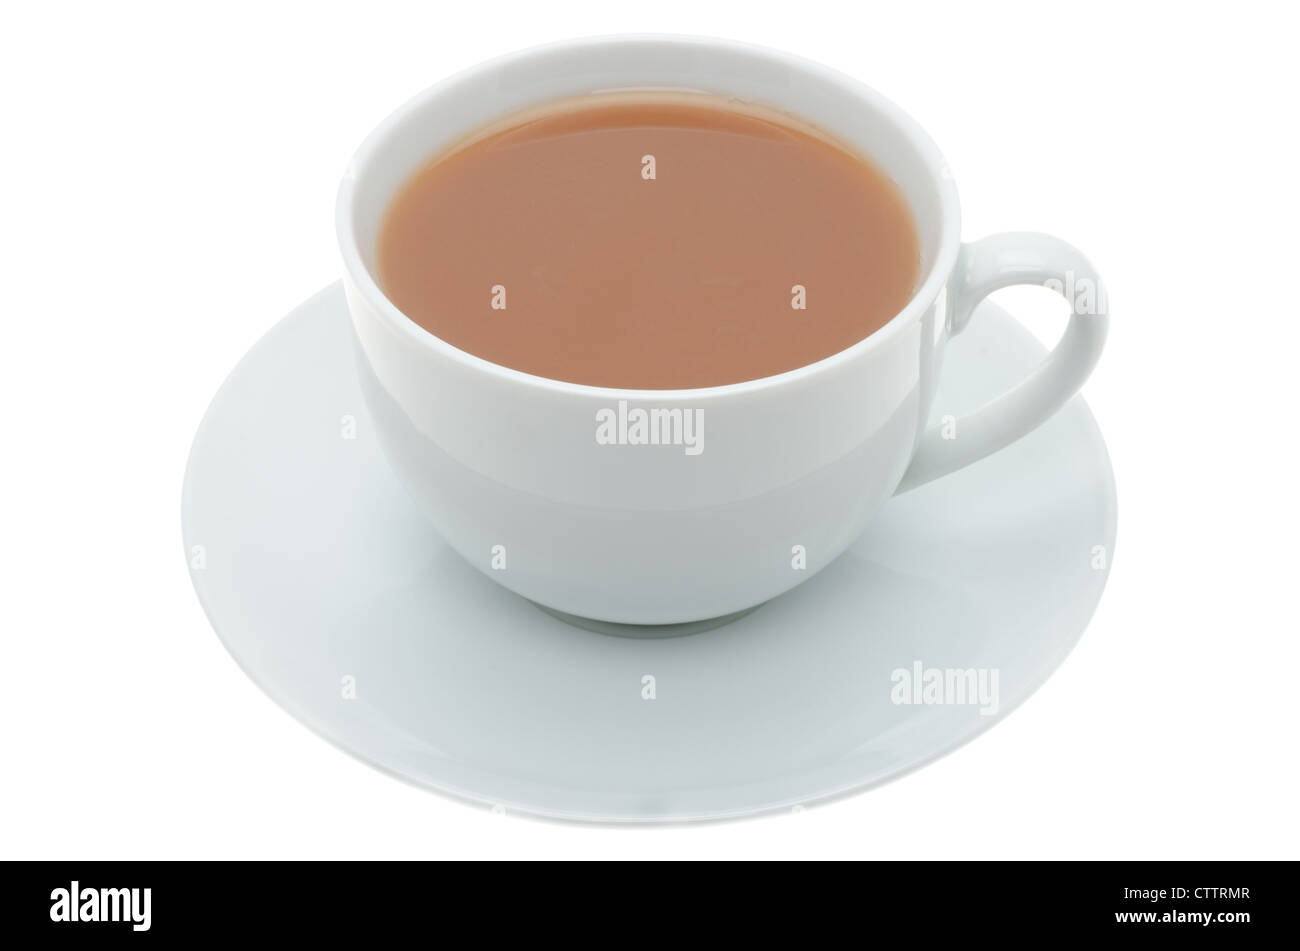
(786,471)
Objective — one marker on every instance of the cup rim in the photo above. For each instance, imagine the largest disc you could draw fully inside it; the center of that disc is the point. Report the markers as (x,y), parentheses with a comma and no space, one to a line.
(928,290)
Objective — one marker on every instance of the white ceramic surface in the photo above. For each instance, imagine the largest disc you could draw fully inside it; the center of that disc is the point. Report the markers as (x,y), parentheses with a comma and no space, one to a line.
(506,461)
(314,566)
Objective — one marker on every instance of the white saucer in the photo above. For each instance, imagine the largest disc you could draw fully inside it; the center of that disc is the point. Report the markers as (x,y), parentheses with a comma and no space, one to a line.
(314,567)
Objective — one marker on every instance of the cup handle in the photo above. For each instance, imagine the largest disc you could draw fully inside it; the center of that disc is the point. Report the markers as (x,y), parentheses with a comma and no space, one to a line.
(983,267)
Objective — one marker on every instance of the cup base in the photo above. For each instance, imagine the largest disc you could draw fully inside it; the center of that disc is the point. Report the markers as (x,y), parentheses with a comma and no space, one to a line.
(644,631)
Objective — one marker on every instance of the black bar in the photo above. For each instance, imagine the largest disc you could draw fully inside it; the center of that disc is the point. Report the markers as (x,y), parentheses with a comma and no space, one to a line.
(1232,902)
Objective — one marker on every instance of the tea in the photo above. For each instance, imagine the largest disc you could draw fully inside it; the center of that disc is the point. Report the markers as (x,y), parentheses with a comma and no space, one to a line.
(649,241)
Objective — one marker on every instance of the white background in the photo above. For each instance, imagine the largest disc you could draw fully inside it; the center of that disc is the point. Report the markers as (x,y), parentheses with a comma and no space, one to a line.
(166,196)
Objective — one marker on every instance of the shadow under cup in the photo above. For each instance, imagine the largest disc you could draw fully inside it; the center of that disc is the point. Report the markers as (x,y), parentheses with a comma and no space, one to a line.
(612,537)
